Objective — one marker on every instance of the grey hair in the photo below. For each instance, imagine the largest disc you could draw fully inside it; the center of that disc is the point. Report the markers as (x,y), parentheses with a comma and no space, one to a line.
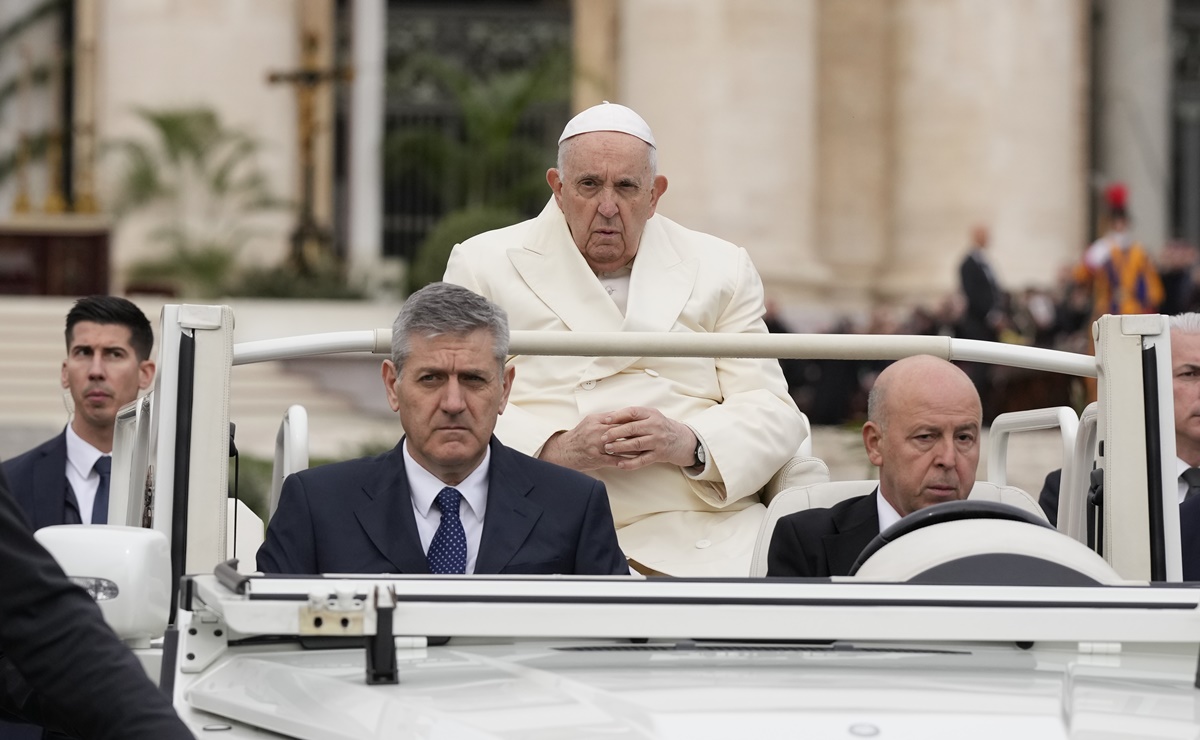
(567,145)
(876,409)
(446,308)
(1185,323)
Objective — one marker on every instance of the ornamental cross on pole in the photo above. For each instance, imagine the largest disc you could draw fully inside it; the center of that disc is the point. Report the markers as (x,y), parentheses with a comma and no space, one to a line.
(311,243)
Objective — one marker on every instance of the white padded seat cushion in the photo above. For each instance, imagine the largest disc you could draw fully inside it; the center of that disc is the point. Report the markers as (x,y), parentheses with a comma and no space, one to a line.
(826,495)
(925,548)
(799,470)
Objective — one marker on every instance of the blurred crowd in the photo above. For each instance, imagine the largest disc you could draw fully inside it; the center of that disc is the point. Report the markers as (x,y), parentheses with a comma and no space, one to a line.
(1060,317)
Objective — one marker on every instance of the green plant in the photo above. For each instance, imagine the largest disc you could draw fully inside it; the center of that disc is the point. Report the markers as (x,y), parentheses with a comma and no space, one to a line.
(198,180)
(285,281)
(454,227)
(487,172)
(489,162)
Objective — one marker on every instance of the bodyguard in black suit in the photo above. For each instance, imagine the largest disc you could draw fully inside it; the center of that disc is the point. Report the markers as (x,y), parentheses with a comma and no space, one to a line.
(447,380)
(40,484)
(825,541)
(922,432)
(108,342)
(60,664)
(357,517)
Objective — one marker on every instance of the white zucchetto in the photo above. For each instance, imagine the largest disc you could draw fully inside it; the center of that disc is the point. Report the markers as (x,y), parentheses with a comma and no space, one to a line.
(608,117)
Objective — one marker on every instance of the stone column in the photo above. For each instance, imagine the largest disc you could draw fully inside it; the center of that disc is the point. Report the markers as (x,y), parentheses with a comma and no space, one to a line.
(365,209)
(988,128)
(1133,109)
(594,34)
(729,87)
(855,153)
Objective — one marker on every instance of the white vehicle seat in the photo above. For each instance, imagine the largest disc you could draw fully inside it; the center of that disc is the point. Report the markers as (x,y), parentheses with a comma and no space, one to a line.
(802,469)
(987,551)
(825,495)
(291,452)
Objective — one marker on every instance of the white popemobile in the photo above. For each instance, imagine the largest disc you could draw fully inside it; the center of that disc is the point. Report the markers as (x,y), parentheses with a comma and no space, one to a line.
(972,620)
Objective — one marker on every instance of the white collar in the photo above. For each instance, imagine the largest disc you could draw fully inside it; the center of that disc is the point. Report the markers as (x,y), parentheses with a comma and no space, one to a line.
(424,486)
(887,515)
(81,455)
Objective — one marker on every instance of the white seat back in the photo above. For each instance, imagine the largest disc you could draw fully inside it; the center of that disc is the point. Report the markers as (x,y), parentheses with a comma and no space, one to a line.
(826,495)
(291,452)
(802,469)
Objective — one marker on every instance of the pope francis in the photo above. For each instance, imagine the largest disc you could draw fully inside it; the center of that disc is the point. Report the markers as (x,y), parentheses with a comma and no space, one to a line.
(683,444)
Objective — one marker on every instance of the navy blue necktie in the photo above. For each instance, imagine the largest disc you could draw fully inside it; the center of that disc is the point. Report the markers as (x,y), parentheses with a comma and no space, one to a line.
(448,549)
(103,466)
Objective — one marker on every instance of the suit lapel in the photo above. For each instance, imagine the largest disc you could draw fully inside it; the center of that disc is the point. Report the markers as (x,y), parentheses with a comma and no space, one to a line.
(857,525)
(384,510)
(659,287)
(510,515)
(556,272)
(53,500)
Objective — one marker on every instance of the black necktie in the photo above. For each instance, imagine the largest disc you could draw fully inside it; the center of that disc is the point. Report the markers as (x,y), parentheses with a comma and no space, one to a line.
(103,466)
(1191,476)
(448,549)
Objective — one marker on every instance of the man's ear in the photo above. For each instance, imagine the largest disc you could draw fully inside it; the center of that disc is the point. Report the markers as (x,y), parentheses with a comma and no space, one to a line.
(390,374)
(660,187)
(146,370)
(872,440)
(510,372)
(556,185)
(65,384)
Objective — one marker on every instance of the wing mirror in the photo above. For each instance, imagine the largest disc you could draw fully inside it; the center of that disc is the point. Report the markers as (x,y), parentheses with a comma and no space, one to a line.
(127,570)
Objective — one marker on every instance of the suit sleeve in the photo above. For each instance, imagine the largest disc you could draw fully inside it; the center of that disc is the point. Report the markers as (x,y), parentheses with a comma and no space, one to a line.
(1048,498)
(598,553)
(290,544)
(756,427)
(786,556)
(1189,536)
(62,666)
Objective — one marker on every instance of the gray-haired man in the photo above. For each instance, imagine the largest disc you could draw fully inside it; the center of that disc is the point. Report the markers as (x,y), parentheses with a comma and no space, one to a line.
(448,498)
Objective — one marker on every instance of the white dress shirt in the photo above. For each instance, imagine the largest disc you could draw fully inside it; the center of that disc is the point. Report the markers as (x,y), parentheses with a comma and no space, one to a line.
(1181,466)
(81,458)
(616,284)
(887,515)
(425,486)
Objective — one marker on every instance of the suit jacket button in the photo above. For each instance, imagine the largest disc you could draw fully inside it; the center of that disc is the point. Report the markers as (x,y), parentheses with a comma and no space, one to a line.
(701,544)
(587,385)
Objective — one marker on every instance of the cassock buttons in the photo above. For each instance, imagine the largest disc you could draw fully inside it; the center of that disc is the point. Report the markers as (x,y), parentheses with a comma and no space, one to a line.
(587,385)
(701,544)
(651,372)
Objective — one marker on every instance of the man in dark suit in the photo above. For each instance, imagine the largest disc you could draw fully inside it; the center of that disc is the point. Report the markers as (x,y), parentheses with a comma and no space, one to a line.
(1185,387)
(60,664)
(449,498)
(922,431)
(983,312)
(65,480)
(980,289)
(108,363)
